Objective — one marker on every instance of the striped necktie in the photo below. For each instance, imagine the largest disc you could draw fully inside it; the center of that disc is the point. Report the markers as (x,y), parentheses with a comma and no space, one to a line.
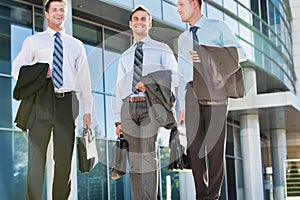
(138,65)
(57,73)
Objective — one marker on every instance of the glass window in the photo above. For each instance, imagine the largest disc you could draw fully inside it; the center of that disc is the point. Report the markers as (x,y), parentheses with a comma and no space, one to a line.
(110,119)
(245,3)
(214,13)
(16,25)
(124,3)
(244,14)
(38,19)
(98,117)
(220,2)
(17,13)
(230,164)
(95,58)
(87,33)
(154,6)
(232,23)
(20,164)
(245,33)
(93,185)
(91,36)
(115,44)
(278,24)
(271,15)
(231,5)
(171,1)
(174,187)
(172,16)
(18,35)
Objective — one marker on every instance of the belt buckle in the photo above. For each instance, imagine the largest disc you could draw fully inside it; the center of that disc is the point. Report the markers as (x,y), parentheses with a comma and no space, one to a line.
(60,95)
(131,100)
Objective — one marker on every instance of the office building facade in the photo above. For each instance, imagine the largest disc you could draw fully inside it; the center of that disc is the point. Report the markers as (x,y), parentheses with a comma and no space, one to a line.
(262,142)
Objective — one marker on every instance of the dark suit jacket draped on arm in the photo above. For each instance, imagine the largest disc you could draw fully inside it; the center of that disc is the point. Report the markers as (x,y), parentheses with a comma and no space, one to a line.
(35,92)
(160,97)
(218,75)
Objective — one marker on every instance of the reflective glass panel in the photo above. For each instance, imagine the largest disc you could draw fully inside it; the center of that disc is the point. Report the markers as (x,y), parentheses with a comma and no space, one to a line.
(231,5)
(214,13)
(170,15)
(154,6)
(244,14)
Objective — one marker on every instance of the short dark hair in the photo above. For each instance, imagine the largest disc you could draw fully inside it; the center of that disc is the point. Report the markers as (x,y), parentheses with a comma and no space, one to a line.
(200,3)
(143,8)
(47,4)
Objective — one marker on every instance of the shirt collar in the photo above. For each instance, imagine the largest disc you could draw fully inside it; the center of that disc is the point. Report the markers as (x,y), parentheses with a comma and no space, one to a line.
(145,40)
(201,21)
(52,32)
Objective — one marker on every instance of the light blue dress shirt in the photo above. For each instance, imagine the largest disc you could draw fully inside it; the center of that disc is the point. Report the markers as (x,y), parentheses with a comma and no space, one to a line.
(211,32)
(156,56)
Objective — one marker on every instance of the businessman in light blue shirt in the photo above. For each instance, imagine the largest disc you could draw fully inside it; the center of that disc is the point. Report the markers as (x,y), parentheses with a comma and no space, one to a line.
(205,120)
(131,111)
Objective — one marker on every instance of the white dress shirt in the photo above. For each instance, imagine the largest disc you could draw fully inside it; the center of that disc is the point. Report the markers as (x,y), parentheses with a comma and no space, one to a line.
(211,32)
(156,56)
(76,75)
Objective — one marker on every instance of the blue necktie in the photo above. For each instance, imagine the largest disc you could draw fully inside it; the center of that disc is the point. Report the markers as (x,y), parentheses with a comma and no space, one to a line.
(194,29)
(57,73)
(138,66)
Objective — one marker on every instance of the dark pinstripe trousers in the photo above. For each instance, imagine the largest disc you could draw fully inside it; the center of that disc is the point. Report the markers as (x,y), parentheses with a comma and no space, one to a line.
(141,133)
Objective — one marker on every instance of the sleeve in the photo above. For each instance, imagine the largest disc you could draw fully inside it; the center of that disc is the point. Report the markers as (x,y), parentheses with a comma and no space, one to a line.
(229,39)
(84,81)
(171,63)
(118,99)
(23,58)
(183,62)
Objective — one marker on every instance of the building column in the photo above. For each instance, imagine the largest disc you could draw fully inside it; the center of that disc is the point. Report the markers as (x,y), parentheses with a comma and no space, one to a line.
(279,150)
(250,144)
(251,154)
(50,163)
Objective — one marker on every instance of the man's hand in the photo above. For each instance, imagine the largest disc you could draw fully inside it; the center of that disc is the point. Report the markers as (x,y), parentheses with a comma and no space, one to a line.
(141,87)
(119,130)
(87,120)
(181,117)
(194,56)
(48,73)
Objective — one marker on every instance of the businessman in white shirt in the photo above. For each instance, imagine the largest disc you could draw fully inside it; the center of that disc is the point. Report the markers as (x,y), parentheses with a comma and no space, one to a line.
(69,72)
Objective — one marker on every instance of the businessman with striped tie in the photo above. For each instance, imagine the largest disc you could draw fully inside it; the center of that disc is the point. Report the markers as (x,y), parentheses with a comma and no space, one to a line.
(69,73)
(132,111)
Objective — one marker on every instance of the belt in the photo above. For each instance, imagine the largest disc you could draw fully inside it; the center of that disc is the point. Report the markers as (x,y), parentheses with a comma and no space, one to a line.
(63,94)
(136,99)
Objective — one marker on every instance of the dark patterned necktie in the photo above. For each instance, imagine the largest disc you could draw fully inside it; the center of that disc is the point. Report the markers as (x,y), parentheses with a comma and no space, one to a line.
(57,73)
(194,29)
(138,65)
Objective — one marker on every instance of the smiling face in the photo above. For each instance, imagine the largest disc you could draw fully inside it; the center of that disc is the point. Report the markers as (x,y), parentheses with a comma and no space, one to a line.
(56,15)
(140,24)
